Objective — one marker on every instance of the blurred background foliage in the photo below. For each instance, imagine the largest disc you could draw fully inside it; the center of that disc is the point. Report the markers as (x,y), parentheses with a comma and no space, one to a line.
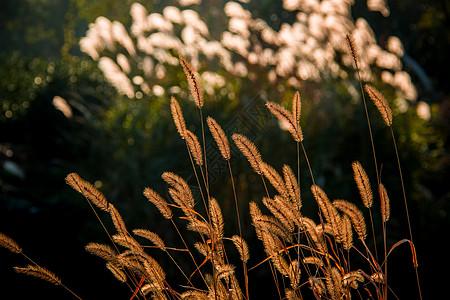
(123,145)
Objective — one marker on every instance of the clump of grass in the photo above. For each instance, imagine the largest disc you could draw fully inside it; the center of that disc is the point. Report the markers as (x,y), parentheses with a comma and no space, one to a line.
(303,254)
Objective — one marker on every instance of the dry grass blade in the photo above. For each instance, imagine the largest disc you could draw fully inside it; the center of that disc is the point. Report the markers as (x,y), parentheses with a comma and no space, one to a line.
(9,243)
(194,147)
(355,215)
(329,211)
(385,204)
(242,247)
(220,137)
(177,116)
(286,118)
(249,150)
(362,181)
(39,272)
(194,82)
(87,190)
(159,202)
(151,236)
(413,250)
(102,251)
(380,102)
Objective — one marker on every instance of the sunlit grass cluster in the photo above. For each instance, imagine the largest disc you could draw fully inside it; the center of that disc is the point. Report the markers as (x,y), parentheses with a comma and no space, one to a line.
(326,255)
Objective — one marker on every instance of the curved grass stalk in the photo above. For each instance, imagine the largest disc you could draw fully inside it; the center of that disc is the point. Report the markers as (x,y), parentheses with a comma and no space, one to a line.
(406,210)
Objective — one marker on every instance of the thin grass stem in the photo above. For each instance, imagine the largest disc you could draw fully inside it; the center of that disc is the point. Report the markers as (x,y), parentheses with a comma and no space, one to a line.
(406,206)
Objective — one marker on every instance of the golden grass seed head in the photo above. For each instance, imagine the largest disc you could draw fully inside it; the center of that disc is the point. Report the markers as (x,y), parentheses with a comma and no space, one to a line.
(363,184)
(10,244)
(151,236)
(380,102)
(249,150)
(385,204)
(356,216)
(193,80)
(117,272)
(194,147)
(87,190)
(286,117)
(39,272)
(220,137)
(159,202)
(178,118)
(102,251)
(242,247)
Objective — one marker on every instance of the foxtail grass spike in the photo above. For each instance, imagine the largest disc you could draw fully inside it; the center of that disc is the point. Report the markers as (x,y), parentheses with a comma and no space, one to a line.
(380,102)
(193,80)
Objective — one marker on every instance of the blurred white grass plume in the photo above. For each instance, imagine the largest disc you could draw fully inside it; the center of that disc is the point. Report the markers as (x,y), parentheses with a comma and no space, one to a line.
(310,48)
(61,104)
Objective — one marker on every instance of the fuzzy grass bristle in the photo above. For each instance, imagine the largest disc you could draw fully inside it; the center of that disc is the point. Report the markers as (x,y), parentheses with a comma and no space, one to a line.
(274,178)
(286,117)
(329,212)
(159,202)
(10,244)
(220,137)
(380,102)
(39,272)
(117,220)
(296,107)
(242,247)
(117,272)
(177,115)
(355,215)
(363,184)
(152,237)
(352,49)
(87,190)
(101,250)
(385,204)
(249,150)
(194,147)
